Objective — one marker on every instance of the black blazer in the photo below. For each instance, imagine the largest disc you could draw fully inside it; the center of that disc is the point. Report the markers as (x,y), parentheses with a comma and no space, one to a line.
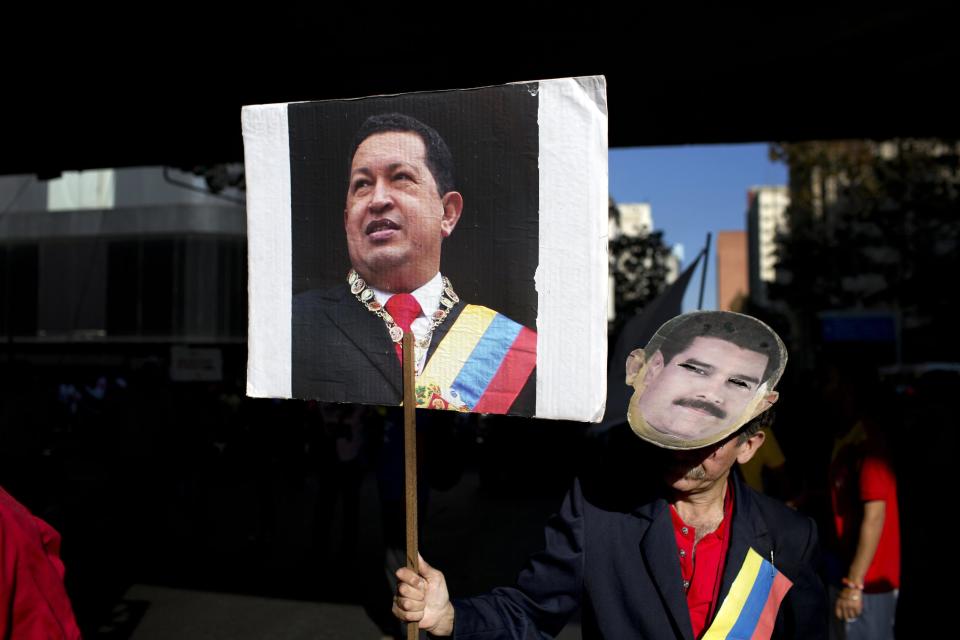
(343,353)
(620,564)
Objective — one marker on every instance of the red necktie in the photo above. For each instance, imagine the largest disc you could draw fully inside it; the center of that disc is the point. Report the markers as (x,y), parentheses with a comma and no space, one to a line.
(404,308)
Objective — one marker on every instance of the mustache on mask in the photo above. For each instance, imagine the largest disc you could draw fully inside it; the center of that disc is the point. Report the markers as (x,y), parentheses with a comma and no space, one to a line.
(702,405)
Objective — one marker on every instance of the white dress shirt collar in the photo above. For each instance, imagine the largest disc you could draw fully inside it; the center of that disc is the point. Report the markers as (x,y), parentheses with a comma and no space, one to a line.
(428,295)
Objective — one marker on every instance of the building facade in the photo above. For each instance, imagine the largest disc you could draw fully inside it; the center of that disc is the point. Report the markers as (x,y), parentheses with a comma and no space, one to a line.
(766,219)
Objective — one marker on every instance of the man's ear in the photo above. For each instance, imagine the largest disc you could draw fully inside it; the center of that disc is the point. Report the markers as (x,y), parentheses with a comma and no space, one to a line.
(750,446)
(767,401)
(634,364)
(654,368)
(452,207)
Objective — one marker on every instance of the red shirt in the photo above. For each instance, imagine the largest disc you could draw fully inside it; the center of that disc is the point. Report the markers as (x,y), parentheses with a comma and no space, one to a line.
(33,601)
(860,476)
(702,567)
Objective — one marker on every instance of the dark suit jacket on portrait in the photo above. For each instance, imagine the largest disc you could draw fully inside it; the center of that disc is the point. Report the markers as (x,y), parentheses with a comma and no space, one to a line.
(343,353)
(616,558)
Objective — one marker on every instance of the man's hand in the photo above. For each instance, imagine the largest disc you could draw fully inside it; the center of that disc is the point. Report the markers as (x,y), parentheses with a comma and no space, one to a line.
(849,604)
(424,599)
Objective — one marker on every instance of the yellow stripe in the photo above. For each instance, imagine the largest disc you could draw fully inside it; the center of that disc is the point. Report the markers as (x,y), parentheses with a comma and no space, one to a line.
(457,345)
(736,598)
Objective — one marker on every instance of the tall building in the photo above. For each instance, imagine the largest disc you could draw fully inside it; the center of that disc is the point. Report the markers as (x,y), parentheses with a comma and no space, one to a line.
(766,218)
(732,273)
(636,218)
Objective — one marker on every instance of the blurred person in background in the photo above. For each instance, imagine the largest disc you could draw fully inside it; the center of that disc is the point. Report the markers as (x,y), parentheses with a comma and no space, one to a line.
(863,492)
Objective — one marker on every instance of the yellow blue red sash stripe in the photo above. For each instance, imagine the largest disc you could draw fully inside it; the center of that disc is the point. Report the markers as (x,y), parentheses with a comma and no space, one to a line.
(750,609)
(481,364)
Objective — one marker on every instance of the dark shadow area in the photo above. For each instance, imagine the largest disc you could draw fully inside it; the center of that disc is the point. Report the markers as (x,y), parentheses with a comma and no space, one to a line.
(717,74)
(194,486)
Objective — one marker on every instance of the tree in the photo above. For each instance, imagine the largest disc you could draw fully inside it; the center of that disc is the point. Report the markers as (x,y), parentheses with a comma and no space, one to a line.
(639,266)
(873,226)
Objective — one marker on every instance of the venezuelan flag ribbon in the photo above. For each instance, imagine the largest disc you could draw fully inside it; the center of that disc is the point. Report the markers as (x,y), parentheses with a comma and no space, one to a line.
(480,365)
(750,609)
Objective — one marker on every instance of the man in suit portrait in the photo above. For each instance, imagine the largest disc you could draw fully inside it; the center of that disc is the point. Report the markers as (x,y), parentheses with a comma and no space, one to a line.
(400,204)
(657,541)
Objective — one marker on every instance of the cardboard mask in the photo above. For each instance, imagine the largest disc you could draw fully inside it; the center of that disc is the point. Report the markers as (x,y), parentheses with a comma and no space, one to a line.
(701,377)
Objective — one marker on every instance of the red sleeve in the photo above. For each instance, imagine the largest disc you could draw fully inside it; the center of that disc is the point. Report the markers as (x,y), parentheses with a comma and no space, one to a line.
(877,481)
(34,602)
(8,581)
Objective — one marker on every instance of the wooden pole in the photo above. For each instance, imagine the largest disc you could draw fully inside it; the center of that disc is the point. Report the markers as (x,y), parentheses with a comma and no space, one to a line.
(410,461)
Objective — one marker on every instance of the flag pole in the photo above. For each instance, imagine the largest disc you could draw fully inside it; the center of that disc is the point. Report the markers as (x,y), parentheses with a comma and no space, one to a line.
(703,274)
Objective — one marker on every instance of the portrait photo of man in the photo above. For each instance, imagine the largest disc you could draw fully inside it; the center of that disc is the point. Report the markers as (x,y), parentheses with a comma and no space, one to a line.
(471,220)
(397,202)
(707,373)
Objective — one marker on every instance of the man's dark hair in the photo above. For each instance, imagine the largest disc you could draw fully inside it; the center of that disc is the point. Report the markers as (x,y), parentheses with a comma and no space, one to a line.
(743,331)
(438,157)
(762,421)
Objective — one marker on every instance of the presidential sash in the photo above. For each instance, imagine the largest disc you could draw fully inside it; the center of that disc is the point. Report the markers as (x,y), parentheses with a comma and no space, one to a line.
(481,364)
(750,609)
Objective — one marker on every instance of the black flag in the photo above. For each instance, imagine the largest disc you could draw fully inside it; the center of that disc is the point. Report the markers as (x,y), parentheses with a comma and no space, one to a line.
(635,334)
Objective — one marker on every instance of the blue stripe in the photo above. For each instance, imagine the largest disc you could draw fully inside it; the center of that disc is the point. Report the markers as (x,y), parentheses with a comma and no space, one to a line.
(485,359)
(756,601)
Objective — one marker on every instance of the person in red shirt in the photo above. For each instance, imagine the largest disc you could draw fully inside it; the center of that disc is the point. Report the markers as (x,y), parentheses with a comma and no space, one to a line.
(33,601)
(866,517)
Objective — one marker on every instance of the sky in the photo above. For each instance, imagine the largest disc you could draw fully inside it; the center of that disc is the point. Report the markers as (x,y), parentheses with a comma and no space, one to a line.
(693,190)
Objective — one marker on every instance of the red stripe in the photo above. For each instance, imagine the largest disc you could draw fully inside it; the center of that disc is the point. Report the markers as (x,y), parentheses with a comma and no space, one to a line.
(511,376)
(768,617)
